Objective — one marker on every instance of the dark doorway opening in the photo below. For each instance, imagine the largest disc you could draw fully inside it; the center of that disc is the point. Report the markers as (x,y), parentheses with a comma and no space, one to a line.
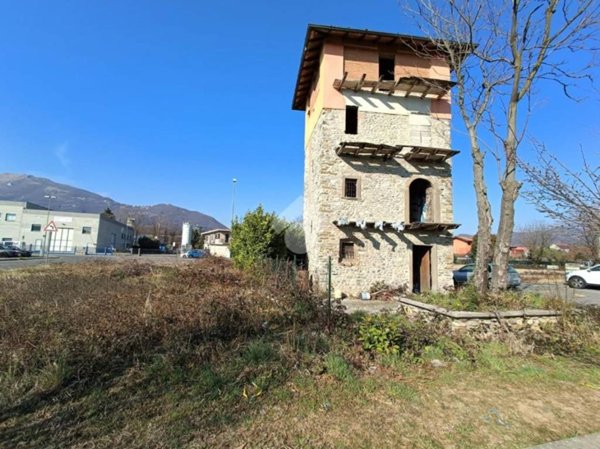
(386,68)
(351,119)
(421,265)
(421,201)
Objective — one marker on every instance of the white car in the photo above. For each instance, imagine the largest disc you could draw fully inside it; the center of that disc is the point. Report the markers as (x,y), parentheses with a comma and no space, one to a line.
(583,278)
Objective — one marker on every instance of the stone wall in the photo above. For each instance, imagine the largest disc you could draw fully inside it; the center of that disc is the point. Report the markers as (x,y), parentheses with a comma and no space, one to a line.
(383,185)
(483,325)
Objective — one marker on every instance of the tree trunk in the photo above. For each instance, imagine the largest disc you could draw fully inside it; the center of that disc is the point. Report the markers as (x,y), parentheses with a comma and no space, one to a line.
(510,190)
(484,217)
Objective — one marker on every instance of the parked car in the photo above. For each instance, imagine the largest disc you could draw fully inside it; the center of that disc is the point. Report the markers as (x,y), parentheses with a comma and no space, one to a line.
(464,275)
(20,252)
(583,278)
(194,254)
(6,251)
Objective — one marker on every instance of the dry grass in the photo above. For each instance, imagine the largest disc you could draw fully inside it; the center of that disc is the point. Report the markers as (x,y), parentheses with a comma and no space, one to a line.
(129,355)
(467,298)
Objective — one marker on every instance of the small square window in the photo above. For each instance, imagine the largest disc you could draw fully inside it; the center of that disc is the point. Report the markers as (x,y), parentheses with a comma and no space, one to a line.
(36,227)
(351,188)
(10,217)
(86,230)
(346,251)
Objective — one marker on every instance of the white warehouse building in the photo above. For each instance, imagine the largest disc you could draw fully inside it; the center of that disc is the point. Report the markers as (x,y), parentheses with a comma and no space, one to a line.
(22,224)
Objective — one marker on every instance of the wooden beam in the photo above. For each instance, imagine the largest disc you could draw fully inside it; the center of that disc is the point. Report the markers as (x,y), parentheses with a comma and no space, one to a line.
(395,86)
(343,80)
(360,83)
(410,89)
(376,85)
(426,91)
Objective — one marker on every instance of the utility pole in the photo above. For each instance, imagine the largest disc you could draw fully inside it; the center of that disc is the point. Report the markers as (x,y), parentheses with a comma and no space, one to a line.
(234,182)
(46,239)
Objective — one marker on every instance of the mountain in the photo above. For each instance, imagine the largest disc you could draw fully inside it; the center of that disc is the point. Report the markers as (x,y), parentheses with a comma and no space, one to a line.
(18,187)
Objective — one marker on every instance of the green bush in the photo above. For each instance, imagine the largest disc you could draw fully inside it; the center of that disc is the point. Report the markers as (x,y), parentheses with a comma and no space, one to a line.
(261,235)
(395,334)
(381,334)
(253,238)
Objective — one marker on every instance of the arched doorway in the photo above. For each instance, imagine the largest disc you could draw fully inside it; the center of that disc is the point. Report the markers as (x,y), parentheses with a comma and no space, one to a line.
(421,201)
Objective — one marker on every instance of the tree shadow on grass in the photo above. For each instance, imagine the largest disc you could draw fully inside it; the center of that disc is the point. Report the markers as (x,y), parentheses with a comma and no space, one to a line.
(131,404)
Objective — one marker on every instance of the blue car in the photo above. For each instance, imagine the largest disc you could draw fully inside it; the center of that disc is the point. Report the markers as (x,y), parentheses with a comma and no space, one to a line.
(194,254)
(464,275)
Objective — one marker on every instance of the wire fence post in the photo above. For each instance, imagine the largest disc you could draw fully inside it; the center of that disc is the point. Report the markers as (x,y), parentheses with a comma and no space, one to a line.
(294,274)
(329,293)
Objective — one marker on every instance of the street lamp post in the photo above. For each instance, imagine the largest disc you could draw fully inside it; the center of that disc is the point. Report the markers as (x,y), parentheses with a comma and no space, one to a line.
(234,182)
(46,240)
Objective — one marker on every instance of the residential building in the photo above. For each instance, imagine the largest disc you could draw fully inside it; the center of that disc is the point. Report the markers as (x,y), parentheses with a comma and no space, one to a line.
(519,252)
(22,223)
(216,242)
(377,172)
(561,247)
(462,245)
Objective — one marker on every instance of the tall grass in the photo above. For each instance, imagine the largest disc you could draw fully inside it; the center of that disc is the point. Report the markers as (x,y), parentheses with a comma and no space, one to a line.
(81,324)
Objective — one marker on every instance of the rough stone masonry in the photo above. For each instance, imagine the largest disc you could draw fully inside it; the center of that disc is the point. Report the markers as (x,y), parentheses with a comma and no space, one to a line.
(366,255)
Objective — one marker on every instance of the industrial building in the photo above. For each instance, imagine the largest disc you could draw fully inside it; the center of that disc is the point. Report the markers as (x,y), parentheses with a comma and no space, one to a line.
(23,224)
(377,171)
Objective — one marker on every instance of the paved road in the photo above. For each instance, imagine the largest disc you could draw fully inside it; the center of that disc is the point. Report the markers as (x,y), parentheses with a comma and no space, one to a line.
(585,297)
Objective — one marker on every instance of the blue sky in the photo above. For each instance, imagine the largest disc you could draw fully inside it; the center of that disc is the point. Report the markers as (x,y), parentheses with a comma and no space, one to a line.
(167,101)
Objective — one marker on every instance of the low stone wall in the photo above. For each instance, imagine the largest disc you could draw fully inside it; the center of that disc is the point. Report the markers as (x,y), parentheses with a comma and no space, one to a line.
(219,250)
(483,324)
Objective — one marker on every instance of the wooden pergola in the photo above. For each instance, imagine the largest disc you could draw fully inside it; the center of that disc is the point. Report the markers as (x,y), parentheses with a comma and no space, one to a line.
(367,149)
(316,35)
(405,227)
(409,86)
(430,227)
(408,152)
(427,154)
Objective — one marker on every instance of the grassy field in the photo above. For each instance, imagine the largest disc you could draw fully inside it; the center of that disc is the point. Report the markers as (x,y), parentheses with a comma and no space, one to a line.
(130,355)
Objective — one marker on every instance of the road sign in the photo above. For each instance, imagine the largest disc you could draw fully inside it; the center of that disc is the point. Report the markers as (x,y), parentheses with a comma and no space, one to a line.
(51,227)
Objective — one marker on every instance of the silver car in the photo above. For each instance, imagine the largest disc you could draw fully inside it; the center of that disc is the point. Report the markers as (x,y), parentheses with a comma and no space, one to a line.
(464,275)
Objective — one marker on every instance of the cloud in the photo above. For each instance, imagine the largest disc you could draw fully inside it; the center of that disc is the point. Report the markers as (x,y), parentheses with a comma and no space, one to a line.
(61,153)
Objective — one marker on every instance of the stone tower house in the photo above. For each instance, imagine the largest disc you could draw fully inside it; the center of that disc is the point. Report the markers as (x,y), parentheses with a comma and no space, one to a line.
(377,174)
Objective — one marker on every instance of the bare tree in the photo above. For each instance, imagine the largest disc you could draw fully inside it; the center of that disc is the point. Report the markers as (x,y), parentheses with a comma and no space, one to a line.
(569,196)
(537,237)
(511,44)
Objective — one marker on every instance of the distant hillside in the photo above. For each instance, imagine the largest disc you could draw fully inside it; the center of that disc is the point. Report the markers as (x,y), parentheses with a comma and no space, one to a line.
(17,187)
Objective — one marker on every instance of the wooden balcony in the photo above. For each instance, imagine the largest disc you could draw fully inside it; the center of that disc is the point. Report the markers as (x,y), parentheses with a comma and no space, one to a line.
(397,226)
(409,86)
(408,152)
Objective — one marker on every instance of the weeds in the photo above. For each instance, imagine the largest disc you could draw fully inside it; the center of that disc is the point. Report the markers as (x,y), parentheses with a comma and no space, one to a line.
(338,367)
(110,355)
(395,334)
(467,298)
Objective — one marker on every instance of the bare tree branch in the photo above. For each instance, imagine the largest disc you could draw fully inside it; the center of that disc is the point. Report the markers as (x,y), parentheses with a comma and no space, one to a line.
(512,45)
